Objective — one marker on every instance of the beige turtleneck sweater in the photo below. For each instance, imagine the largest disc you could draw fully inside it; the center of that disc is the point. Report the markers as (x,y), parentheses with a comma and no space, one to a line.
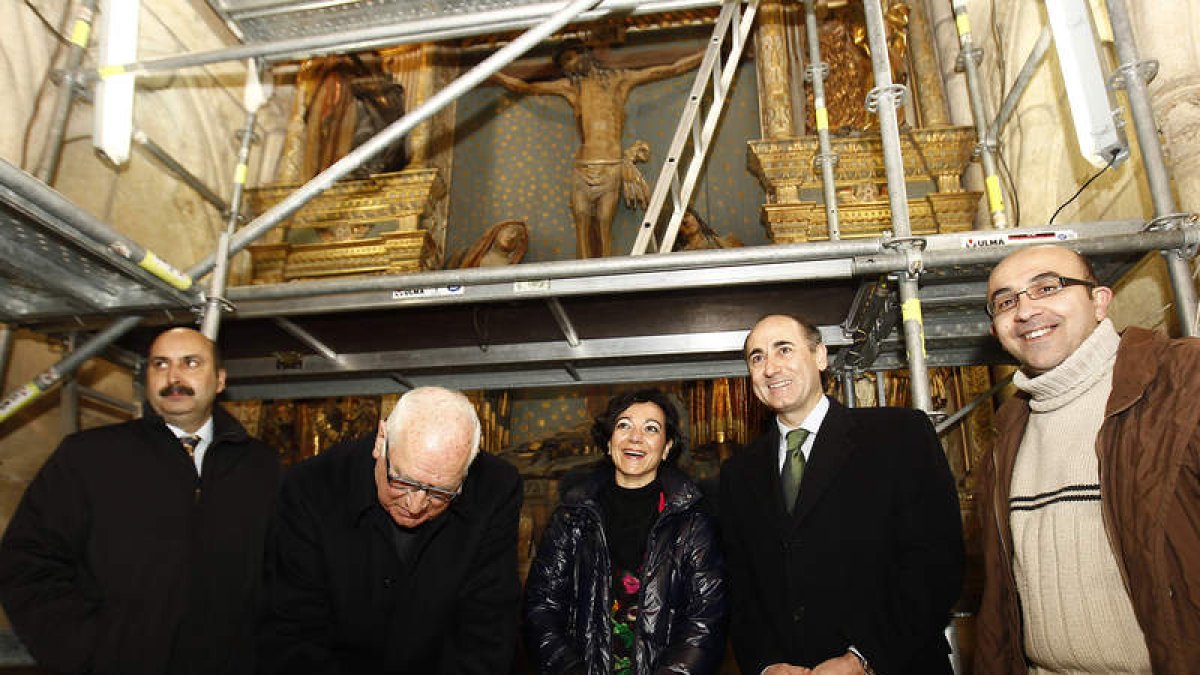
(1078,617)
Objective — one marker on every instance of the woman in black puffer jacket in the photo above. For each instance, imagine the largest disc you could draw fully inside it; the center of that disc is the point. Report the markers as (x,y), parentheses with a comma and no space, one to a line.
(629,578)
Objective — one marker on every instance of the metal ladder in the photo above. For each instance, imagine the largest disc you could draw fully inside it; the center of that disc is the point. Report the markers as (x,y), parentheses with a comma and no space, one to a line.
(690,145)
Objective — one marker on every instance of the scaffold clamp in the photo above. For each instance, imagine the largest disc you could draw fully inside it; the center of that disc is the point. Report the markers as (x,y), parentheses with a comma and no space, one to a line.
(240,135)
(821,158)
(1176,221)
(811,70)
(226,306)
(1171,221)
(973,53)
(897,93)
(1145,70)
(912,248)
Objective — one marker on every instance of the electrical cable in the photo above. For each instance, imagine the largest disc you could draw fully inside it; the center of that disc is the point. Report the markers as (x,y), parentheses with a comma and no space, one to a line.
(37,100)
(1112,158)
(50,27)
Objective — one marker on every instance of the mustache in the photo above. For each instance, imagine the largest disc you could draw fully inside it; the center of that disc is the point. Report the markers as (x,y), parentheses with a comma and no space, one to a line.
(173,389)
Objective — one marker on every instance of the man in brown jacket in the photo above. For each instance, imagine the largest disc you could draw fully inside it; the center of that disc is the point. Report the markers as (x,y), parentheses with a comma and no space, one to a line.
(1090,500)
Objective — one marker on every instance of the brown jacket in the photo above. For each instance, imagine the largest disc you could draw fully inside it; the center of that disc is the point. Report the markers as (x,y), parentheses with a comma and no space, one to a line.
(1149,454)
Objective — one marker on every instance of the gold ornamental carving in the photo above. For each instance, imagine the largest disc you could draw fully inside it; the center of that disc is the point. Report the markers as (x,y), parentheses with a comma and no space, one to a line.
(939,212)
(772,55)
(371,226)
(403,197)
(788,165)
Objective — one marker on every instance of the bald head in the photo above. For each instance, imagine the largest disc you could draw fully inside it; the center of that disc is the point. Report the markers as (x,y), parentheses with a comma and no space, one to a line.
(183,377)
(429,441)
(438,421)
(1070,262)
(1042,329)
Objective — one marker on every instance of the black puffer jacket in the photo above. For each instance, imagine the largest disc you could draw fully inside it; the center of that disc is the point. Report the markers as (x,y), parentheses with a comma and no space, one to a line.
(683,603)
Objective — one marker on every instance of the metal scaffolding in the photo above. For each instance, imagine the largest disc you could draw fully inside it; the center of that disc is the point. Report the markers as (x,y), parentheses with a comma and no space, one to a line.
(930,316)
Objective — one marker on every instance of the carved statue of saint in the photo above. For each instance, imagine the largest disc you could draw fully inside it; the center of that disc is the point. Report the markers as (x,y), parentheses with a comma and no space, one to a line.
(504,243)
(598,95)
(695,235)
(350,103)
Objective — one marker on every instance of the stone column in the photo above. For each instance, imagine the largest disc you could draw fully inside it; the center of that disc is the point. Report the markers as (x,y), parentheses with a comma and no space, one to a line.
(774,95)
(1144,296)
(927,74)
(1175,92)
(945,36)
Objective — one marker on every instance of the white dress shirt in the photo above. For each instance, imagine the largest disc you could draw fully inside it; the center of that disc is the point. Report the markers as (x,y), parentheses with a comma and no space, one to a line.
(206,436)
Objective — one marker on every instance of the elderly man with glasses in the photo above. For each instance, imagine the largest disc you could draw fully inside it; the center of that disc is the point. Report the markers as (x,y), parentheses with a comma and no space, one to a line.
(1091,498)
(397,553)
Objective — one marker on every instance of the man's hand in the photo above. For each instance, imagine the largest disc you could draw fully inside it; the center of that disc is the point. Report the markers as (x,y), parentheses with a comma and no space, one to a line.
(846,664)
(785,669)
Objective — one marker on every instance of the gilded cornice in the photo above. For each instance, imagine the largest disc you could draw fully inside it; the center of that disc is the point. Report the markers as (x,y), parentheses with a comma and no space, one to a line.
(939,155)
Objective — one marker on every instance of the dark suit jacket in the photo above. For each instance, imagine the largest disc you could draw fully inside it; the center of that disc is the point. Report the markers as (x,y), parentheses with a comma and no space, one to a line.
(346,598)
(122,560)
(872,556)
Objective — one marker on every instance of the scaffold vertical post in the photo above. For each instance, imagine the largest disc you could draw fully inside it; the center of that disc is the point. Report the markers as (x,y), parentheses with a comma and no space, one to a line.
(215,303)
(968,60)
(81,32)
(68,404)
(1132,74)
(7,333)
(884,99)
(817,71)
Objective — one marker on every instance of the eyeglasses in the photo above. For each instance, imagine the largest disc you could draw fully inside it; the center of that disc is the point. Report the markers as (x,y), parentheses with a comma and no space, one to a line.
(1042,287)
(405,486)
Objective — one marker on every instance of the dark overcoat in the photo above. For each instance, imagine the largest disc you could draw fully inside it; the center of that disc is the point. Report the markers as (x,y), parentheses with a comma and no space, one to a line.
(872,556)
(683,604)
(121,559)
(345,598)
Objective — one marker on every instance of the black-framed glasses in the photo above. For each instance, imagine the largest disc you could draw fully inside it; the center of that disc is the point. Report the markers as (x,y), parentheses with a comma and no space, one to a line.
(405,486)
(1042,287)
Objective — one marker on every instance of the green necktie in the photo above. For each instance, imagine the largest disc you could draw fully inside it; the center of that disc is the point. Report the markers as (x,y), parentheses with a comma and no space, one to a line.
(793,468)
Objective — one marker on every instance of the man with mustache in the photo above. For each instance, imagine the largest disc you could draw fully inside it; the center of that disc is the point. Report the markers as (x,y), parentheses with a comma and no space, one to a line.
(1091,497)
(138,547)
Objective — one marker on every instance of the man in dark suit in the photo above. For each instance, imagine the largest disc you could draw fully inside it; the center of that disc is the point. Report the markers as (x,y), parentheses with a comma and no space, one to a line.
(138,548)
(856,568)
(397,553)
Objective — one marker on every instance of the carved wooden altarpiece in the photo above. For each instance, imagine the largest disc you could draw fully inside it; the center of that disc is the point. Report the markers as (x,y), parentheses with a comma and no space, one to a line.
(785,160)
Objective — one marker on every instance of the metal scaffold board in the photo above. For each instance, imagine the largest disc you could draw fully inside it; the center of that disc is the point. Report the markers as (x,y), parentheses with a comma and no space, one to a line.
(606,321)
(260,21)
(57,261)
(633,318)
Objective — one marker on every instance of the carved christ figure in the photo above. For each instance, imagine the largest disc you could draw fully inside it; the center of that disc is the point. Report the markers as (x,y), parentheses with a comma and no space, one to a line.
(597,95)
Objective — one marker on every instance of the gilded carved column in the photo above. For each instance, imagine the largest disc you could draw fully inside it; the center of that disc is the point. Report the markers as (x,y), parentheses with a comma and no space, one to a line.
(423,70)
(773,80)
(945,39)
(409,65)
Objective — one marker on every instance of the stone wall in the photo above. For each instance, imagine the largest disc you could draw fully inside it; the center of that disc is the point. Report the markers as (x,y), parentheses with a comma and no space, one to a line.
(1038,143)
